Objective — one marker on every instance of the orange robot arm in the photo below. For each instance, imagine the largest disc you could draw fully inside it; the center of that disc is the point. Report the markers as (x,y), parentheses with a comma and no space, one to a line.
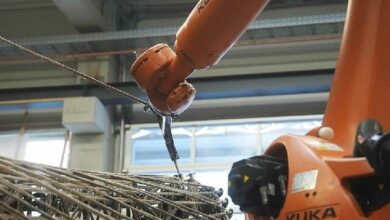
(360,89)
(323,175)
(340,170)
(209,32)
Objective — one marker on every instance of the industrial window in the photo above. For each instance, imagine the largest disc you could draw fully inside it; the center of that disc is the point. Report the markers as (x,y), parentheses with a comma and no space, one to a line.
(44,147)
(200,144)
(8,145)
(271,131)
(229,142)
(147,142)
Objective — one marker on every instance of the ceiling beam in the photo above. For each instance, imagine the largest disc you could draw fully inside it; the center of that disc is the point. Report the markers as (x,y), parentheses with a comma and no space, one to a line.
(208,88)
(84,15)
(159,2)
(7,5)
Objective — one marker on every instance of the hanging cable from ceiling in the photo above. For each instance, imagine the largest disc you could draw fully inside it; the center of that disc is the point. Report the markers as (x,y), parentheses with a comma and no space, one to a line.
(67,68)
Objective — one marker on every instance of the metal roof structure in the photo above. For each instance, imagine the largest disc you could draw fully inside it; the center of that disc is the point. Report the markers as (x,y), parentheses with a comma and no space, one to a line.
(319,23)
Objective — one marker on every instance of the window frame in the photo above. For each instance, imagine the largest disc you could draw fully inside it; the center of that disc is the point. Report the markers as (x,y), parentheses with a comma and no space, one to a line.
(33,135)
(193,165)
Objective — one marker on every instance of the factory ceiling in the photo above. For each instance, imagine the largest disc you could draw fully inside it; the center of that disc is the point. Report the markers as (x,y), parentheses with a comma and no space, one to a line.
(290,40)
(97,25)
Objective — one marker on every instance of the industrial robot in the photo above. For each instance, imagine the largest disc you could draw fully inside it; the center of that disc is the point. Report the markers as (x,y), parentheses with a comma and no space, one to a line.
(340,170)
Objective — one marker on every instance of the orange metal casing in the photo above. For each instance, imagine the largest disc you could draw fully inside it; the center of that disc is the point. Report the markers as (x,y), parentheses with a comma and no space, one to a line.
(307,153)
(360,90)
(212,29)
(361,85)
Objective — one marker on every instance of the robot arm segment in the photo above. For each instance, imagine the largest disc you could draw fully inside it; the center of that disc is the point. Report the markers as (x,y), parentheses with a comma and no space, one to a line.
(209,32)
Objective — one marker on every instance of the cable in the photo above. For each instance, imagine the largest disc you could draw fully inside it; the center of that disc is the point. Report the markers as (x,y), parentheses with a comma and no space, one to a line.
(67,68)
(171,147)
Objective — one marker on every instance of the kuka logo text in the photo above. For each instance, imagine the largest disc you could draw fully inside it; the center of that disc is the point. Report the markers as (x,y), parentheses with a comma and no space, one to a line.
(314,214)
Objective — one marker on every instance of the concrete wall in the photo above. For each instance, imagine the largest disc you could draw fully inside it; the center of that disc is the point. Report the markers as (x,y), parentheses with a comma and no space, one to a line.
(24,23)
(18,75)
(36,73)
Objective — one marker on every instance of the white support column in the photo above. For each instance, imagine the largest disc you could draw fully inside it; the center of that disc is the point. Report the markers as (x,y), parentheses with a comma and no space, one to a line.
(92,146)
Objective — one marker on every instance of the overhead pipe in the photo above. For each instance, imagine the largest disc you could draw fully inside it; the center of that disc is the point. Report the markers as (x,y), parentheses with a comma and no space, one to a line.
(68,56)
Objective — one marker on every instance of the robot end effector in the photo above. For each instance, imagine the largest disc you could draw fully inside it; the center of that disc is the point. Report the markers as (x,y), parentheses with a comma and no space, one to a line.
(160,73)
(208,33)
